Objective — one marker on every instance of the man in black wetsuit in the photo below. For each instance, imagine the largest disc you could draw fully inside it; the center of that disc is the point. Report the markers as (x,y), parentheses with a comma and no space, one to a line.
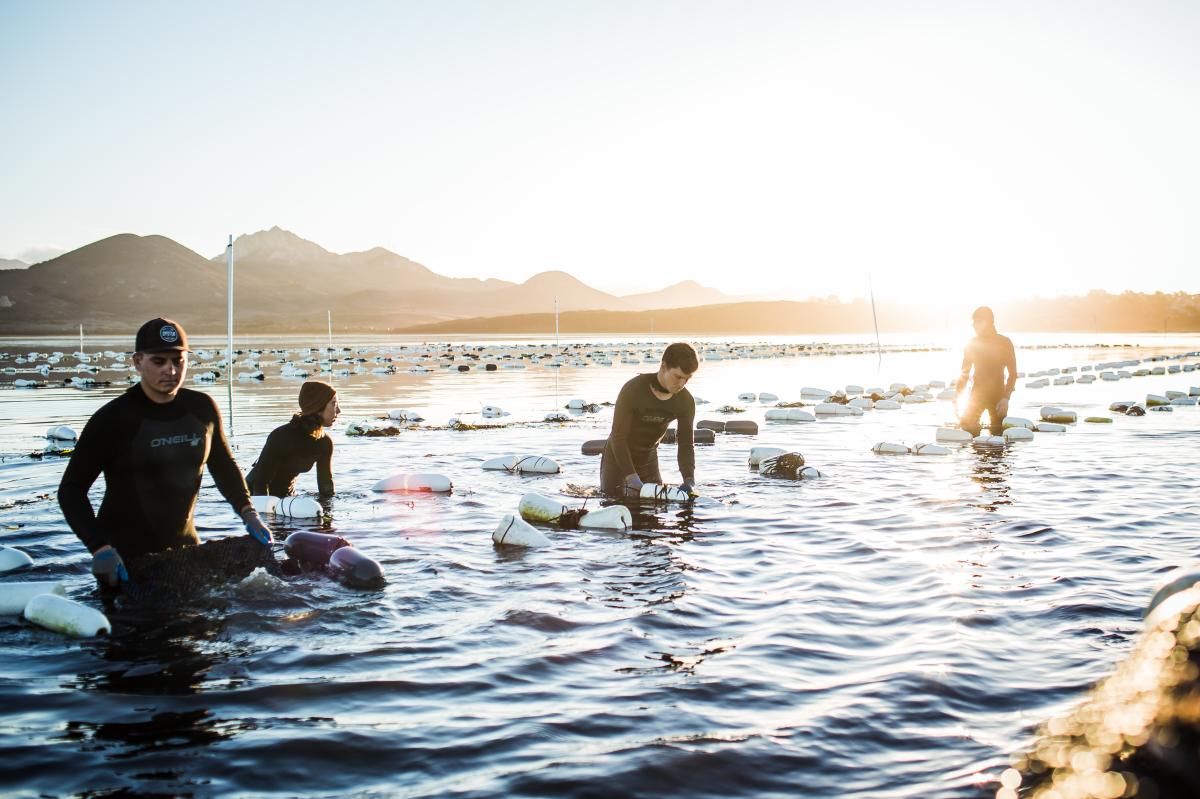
(989,354)
(151,443)
(645,406)
(297,446)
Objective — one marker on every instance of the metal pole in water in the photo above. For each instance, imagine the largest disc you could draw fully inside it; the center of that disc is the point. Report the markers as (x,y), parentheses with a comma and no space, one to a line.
(329,349)
(875,318)
(229,357)
(81,338)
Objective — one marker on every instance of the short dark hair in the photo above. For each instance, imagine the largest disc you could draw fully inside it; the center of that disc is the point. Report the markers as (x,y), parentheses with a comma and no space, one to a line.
(681,355)
(984,312)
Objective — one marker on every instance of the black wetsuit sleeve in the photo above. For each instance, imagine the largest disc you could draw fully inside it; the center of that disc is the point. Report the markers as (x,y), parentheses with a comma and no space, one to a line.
(325,466)
(259,479)
(1010,363)
(622,424)
(686,440)
(223,468)
(87,461)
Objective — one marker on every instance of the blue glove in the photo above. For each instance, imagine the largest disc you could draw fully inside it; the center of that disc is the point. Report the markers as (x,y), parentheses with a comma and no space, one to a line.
(256,528)
(689,487)
(108,568)
(633,483)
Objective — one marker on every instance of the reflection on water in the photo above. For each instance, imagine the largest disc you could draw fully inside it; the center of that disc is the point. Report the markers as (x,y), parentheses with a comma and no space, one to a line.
(893,629)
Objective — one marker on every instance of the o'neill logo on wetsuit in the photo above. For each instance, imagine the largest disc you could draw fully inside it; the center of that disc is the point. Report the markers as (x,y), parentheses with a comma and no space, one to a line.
(182,438)
(168,334)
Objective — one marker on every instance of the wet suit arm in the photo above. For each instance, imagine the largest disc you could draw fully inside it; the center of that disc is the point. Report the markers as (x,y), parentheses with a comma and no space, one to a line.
(266,466)
(1010,363)
(967,363)
(622,423)
(686,439)
(224,469)
(87,461)
(325,466)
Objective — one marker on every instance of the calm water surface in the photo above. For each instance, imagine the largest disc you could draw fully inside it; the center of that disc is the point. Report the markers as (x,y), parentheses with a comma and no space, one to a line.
(895,629)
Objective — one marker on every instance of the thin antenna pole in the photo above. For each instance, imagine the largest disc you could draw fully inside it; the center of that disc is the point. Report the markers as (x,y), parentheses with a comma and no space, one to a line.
(229,357)
(558,352)
(875,318)
(556,320)
(329,348)
(81,338)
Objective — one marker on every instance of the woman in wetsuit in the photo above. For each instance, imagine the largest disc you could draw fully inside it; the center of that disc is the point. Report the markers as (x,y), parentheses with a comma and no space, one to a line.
(645,406)
(294,447)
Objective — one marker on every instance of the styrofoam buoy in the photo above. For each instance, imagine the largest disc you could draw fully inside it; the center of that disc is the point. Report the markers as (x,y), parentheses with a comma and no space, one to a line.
(424,482)
(264,504)
(15,596)
(61,433)
(515,531)
(1050,413)
(1050,427)
(1016,421)
(709,424)
(988,442)
(745,427)
(660,492)
(299,507)
(929,449)
(865,403)
(1018,434)
(789,415)
(538,508)
(11,559)
(832,409)
(66,616)
(759,454)
(1098,420)
(493,411)
(887,405)
(593,447)
(1154,400)
(953,434)
(522,464)
(815,393)
(1183,401)
(789,465)
(767,396)
(576,404)
(889,448)
(747,396)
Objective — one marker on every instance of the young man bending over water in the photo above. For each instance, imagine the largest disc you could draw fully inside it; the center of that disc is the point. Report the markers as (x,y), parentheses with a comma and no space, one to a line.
(989,354)
(645,406)
(152,444)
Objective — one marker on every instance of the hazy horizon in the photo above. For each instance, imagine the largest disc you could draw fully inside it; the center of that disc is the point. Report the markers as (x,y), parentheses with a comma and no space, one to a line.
(966,152)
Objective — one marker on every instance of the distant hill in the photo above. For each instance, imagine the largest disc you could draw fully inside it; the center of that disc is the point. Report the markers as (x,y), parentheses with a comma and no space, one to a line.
(686,294)
(12,263)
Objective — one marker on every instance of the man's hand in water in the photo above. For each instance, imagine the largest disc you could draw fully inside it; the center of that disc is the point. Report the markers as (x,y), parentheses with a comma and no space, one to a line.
(108,567)
(1002,407)
(256,528)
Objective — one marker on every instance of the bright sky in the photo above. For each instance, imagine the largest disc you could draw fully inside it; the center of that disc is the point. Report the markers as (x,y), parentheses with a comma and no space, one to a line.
(973,151)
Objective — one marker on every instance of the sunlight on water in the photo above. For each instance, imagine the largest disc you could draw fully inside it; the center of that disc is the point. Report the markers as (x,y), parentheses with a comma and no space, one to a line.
(895,628)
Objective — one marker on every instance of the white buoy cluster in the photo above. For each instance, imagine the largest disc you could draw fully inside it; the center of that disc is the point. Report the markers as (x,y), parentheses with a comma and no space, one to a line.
(518,530)
(45,602)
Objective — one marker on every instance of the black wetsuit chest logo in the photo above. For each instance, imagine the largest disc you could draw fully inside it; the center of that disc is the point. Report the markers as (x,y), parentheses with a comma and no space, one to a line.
(192,439)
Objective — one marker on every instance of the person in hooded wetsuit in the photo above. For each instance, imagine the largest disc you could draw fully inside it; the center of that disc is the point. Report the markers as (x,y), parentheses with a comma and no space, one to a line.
(295,447)
(645,406)
(989,355)
(152,444)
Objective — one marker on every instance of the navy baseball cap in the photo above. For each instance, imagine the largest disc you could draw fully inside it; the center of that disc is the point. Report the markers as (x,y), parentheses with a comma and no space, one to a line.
(160,335)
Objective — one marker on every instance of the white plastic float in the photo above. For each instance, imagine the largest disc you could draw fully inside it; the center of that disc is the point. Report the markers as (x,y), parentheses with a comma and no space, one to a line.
(1016,421)
(538,508)
(747,396)
(15,596)
(576,405)
(660,492)
(523,464)
(13,559)
(760,454)
(953,435)
(405,415)
(890,448)
(789,415)
(887,405)
(515,531)
(767,396)
(493,411)
(862,403)
(836,409)
(988,442)
(810,392)
(928,449)
(1051,413)
(1050,427)
(1154,400)
(425,482)
(65,616)
(61,433)
(1018,434)
(294,506)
